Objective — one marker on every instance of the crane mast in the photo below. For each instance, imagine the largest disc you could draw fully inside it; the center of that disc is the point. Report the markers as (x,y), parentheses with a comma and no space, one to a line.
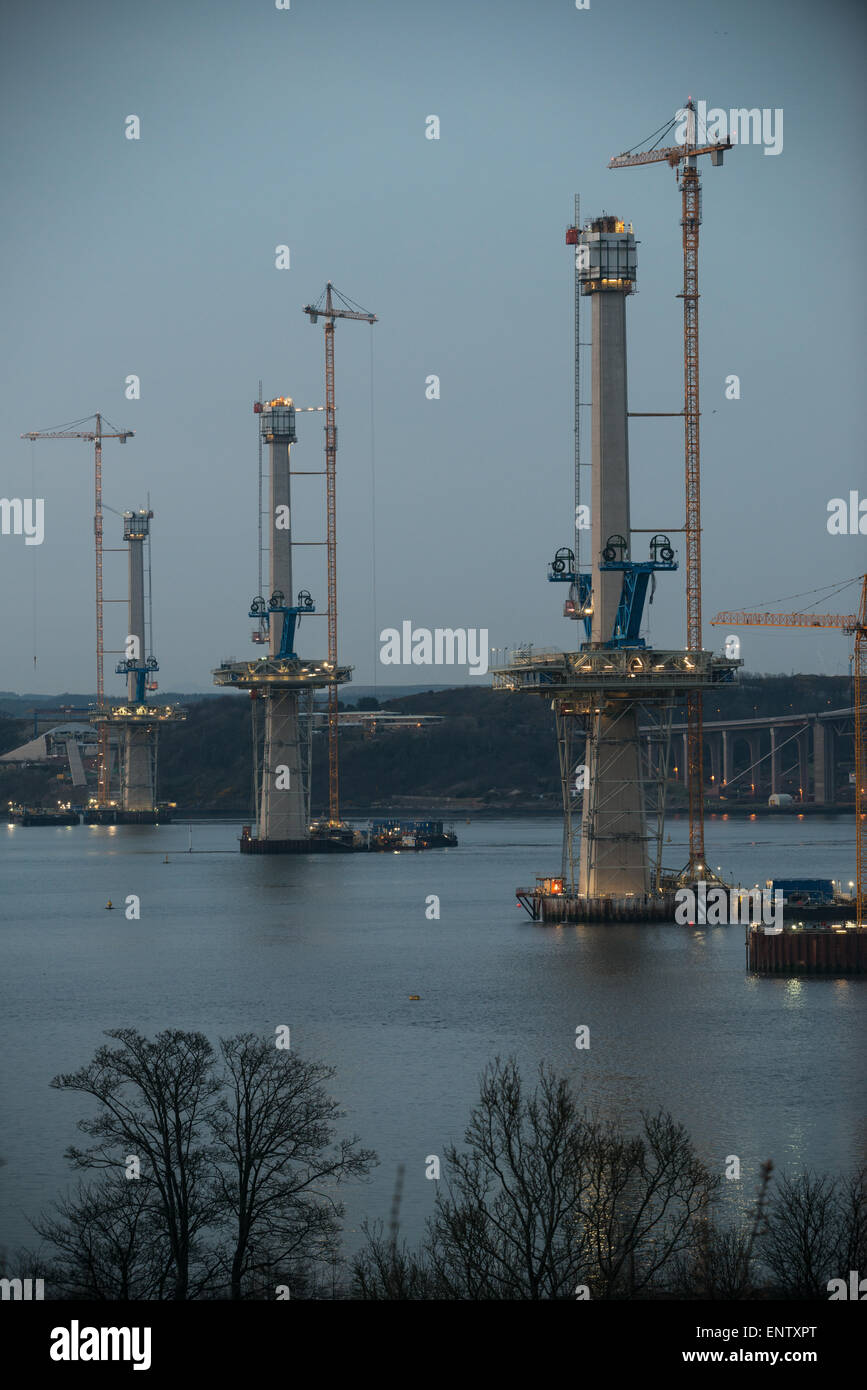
(329,313)
(331,552)
(691,218)
(96,436)
(860,665)
(682,158)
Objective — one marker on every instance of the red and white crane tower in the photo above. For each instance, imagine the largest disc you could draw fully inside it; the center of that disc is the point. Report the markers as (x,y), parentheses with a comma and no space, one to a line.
(330,313)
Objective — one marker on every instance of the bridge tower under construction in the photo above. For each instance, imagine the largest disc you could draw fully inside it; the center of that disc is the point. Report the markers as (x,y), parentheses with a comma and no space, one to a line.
(610,789)
(134,725)
(281,683)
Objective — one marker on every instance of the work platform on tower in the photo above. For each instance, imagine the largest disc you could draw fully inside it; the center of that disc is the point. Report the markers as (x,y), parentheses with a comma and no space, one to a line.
(281,685)
(613,778)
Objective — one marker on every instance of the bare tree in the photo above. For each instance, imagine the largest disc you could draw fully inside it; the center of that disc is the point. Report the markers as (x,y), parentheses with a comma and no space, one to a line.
(636,1210)
(501,1229)
(277,1160)
(545,1199)
(720,1263)
(388,1269)
(109,1243)
(155,1098)
(817,1231)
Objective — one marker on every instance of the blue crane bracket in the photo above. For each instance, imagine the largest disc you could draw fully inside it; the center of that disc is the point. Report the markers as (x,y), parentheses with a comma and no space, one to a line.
(562,571)
(141,669)
(636,578)
(262,610)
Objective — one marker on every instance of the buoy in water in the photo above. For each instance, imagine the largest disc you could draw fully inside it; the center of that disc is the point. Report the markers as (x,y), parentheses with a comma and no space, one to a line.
(109,905)
(166,860)
(415,996)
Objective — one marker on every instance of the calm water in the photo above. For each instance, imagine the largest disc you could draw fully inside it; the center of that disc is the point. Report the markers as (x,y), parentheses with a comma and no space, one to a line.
(334,947)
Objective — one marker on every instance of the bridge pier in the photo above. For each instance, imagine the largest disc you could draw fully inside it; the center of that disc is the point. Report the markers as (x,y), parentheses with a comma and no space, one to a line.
(803,762)
(714,745)
(776,764)
(824,780)
(728,760)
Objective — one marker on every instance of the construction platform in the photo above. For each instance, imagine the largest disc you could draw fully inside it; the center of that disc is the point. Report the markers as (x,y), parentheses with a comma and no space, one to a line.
(638,674)
(546,907)
(808,950)
(288,672)
(341,840)
(114,815)
(549,902)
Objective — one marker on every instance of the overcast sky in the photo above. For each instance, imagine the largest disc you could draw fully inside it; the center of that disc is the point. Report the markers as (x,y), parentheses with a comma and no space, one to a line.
(306,127)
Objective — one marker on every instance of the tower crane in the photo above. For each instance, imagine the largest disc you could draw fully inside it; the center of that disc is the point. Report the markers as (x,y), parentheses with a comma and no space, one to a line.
(682,158)
(855,623)
(96,436)
(330,313)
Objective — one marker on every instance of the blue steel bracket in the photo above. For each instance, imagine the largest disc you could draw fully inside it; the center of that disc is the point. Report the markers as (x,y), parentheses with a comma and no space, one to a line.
(290,618)
(561,571)
(141,669)
(630,610)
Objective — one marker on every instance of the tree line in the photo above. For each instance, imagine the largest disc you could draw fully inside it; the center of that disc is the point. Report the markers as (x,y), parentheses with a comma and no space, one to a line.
(217,1174)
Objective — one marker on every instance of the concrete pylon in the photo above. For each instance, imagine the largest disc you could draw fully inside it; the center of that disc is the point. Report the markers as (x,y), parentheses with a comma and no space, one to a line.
(614,846)
(282,798)
(137,750)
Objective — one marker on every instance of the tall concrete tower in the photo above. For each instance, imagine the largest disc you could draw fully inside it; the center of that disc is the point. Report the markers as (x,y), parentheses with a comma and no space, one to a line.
(138,750)
(281,684)
(614,847)
(613,698)
(136,723)
(284,812)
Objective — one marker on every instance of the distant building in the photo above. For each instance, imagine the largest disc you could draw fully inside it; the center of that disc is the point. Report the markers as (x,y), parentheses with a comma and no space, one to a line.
(70,743)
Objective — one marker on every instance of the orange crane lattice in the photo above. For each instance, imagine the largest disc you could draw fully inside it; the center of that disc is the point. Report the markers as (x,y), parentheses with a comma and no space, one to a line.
(847,622)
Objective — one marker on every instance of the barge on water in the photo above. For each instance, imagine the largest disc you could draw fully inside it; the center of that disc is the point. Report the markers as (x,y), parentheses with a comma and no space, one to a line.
(828,949)
(395,835)
(380,836)
(43,815)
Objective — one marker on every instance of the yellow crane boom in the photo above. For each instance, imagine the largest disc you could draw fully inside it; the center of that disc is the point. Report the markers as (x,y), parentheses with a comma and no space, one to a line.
(855,623)
(847,621)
